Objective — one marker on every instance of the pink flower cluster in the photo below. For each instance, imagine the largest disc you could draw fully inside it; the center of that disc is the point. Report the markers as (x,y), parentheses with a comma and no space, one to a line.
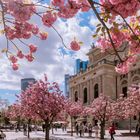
(49,18)
(124,67)
(21,30)
(74,45)
(17,9)
(71,7)
(101,108)
(20,55)
(124,7)
(73,108)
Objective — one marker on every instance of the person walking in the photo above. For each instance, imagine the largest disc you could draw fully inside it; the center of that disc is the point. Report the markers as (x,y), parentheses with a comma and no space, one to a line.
(43,127)
(96,128)
(81,129)
(25,129)
(90,130)
(112,131)
(2,135)
(138,129)
(77,128)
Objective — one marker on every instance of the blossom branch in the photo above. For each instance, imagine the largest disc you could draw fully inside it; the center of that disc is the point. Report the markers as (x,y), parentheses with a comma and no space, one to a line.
(3,20)
(108,32)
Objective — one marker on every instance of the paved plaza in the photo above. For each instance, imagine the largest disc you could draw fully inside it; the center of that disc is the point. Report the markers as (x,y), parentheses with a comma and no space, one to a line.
(59,135)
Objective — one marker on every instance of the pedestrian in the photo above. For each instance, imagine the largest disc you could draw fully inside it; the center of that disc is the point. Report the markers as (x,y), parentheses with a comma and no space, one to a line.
(43,127)
(96,128)
(55,126)
(63,128)
(85,127)
(112,131)
(25,129)
(16,127)
(81,129)
(77,128)
(90,130)
(138,129)
(35,128)
(2,135)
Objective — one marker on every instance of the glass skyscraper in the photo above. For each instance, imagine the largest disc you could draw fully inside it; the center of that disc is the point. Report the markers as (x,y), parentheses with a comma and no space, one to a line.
(25,83)
(80,65)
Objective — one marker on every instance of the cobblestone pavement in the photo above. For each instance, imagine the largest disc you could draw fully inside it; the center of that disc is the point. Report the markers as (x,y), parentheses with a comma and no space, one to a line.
(59,135)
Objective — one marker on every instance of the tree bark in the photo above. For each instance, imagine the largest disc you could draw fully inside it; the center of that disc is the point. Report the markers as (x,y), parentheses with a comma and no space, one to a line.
(47,128)
(29,127)
(130,125)
(102,132)
(52,129)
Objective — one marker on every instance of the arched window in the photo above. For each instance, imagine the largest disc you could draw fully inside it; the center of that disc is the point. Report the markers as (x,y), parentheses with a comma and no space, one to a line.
(85,95)
(124,88)
(76,96)
(124,91)
(96,91)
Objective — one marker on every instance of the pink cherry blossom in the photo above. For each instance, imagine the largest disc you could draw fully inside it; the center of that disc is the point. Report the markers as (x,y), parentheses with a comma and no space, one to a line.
(35,29)
(75,46)
(15,66)
(49,18)
(29,57)
(33,48)
(20,54)
(58,3)
(43,35)
(13,59)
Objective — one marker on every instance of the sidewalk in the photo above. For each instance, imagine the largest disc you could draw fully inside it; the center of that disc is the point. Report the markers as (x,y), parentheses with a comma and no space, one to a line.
(59,135)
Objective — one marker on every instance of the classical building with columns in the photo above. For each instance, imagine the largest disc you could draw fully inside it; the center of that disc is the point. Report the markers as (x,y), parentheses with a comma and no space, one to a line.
(101,77)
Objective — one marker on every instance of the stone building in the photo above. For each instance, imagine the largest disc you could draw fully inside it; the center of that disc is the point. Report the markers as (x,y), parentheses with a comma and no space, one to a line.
(101,77)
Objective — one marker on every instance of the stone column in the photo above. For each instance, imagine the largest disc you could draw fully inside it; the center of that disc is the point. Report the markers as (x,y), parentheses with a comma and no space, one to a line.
(88,91)
(129,80)
(91,90)
(81,92)
(101,84)
(78,91)
(71,93)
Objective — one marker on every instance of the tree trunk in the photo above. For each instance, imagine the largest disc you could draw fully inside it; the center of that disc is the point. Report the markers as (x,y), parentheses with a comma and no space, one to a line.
(47,128)
(102,132)
(52,129)
(71,127)
(139,125)
(130,125)
(29,128)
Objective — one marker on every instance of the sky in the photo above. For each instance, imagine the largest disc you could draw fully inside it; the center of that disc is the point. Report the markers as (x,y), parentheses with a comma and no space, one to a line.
(52,57)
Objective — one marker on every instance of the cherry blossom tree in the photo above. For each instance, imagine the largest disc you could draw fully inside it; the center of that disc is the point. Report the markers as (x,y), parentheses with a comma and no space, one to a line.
(131,105)
(102,110)
(117,32)
(44,100)
(14,112)
(73,109)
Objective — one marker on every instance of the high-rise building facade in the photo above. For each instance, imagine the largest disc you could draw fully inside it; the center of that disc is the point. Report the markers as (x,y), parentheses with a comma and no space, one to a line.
(26,82)
(80,65)
(67,77)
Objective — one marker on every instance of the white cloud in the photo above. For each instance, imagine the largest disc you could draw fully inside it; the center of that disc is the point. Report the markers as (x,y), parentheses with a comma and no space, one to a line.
(94,21)
(48,59)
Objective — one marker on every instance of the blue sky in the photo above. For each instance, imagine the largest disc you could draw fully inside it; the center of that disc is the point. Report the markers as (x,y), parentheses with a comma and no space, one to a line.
(52,58)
